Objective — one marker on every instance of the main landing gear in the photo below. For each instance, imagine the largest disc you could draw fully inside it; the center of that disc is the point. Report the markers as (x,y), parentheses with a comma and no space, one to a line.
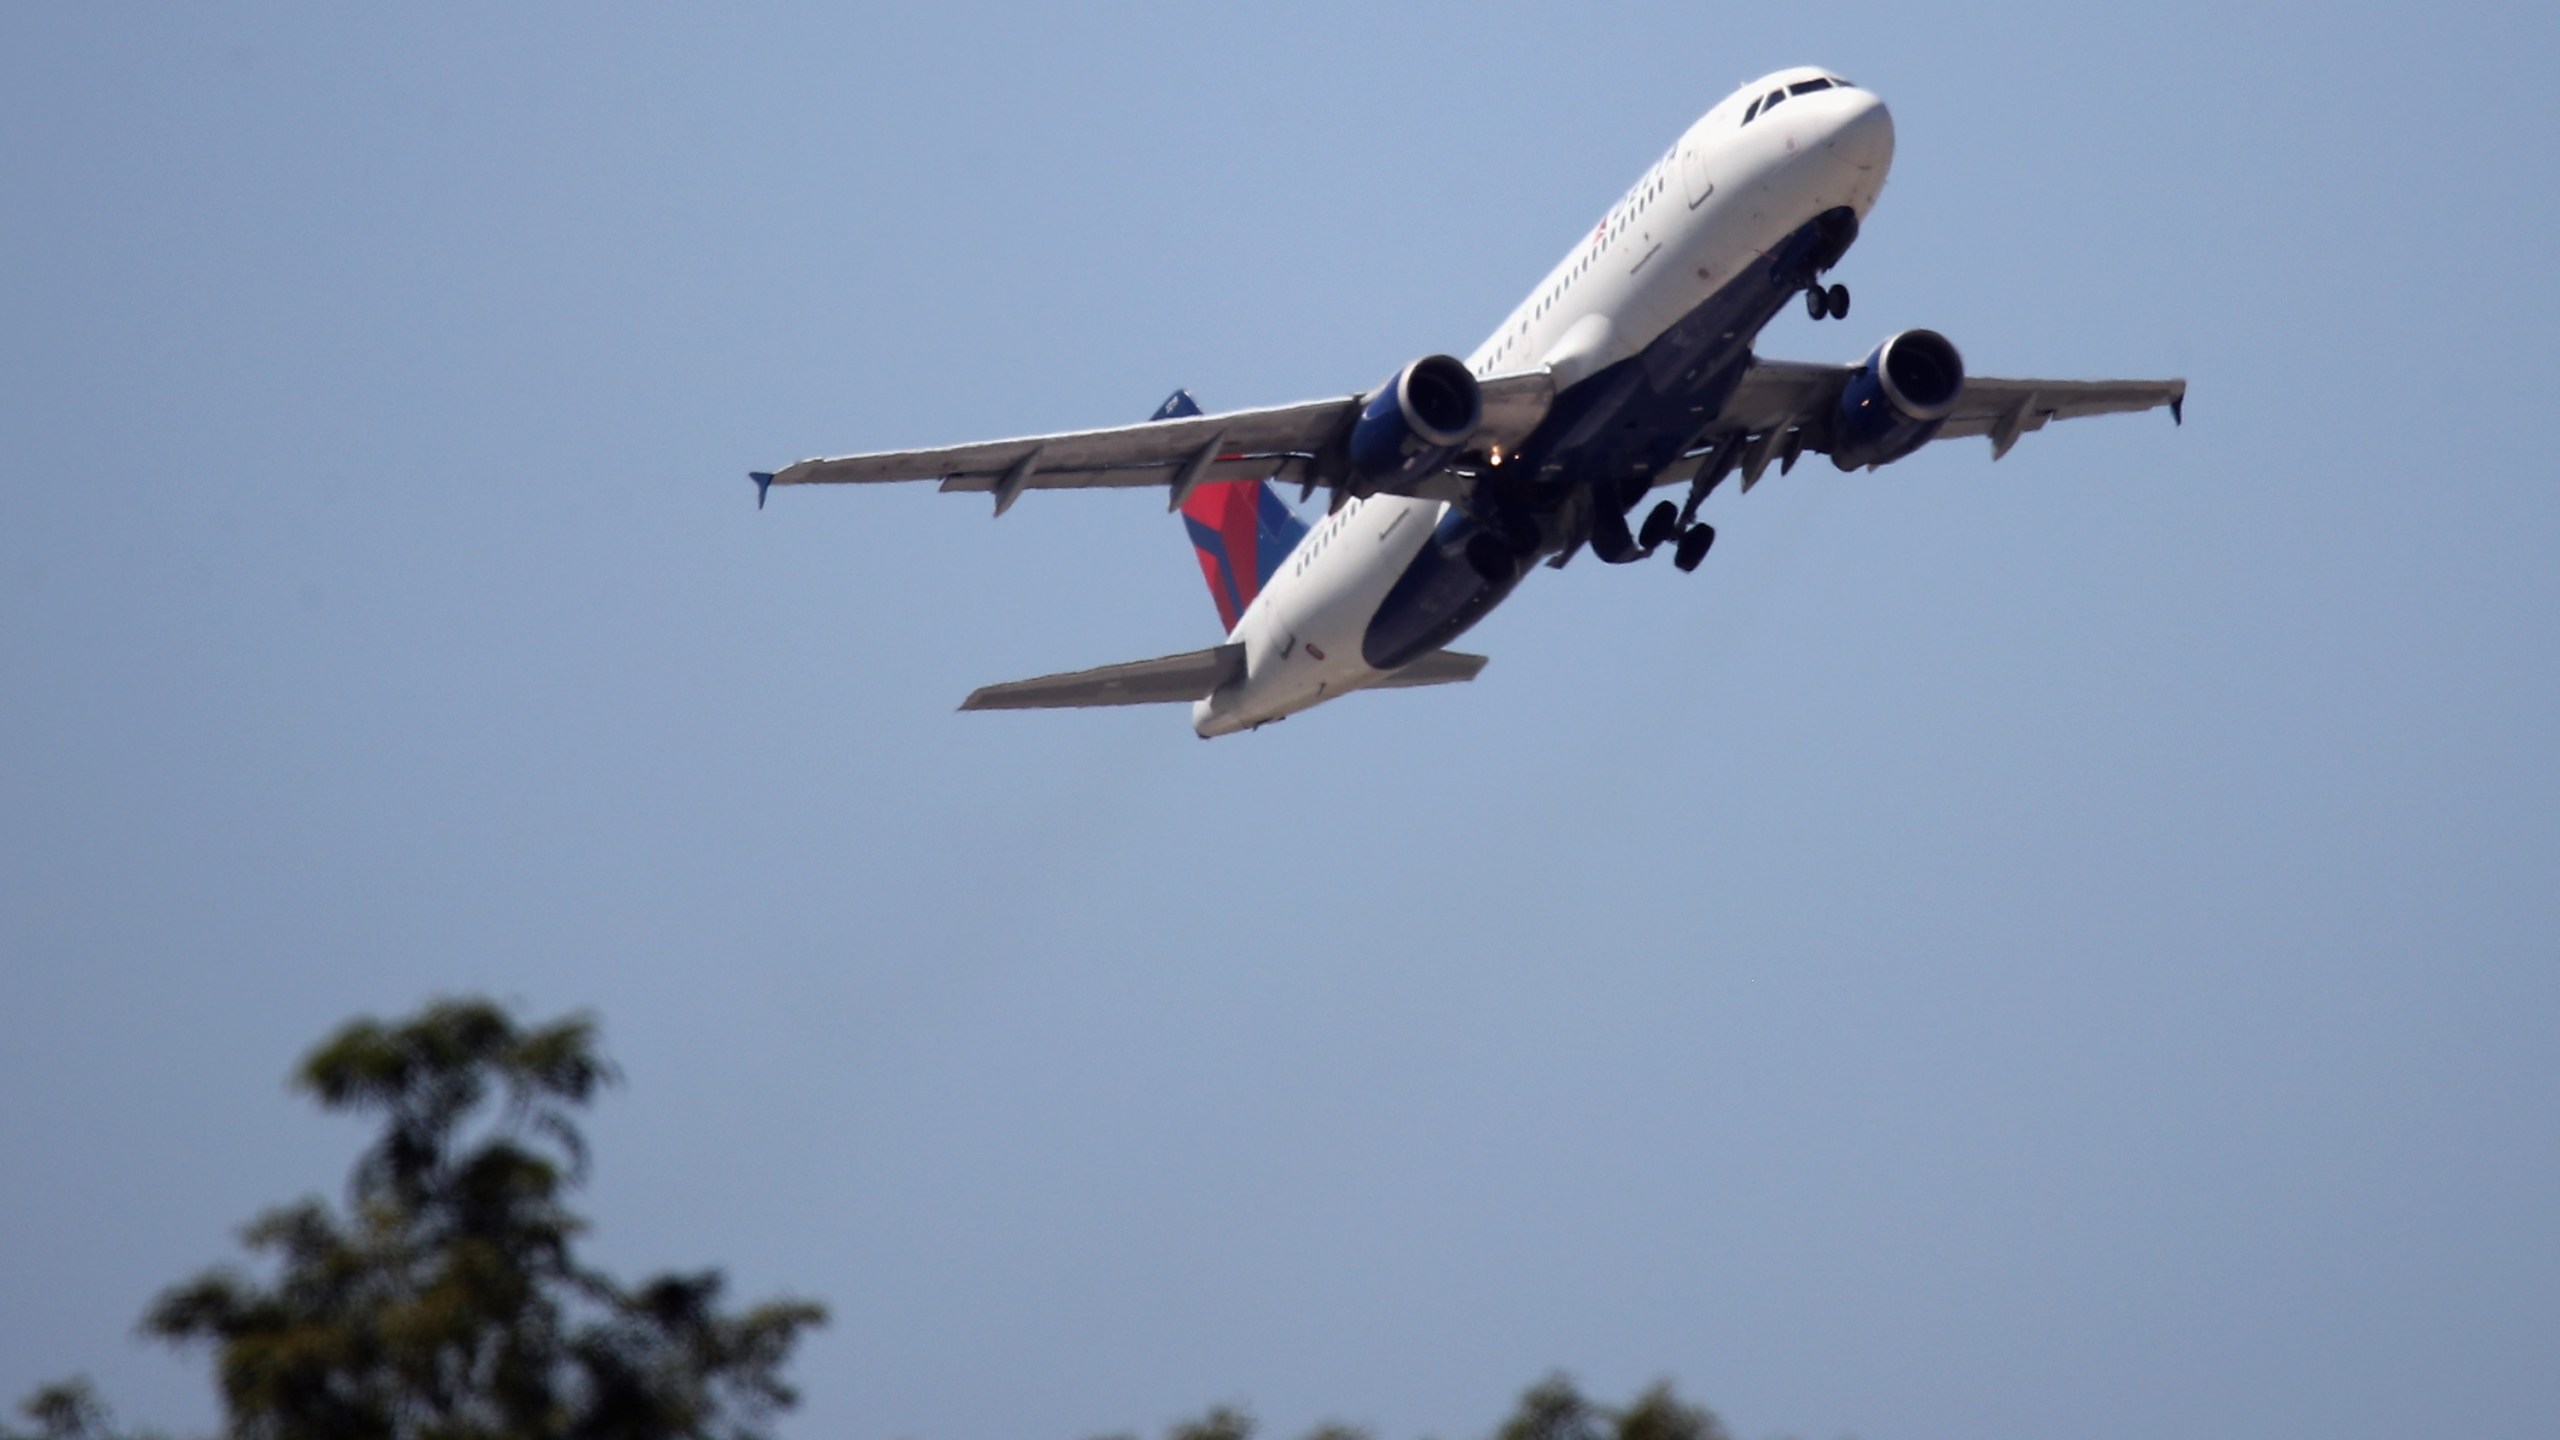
(1659,525)
(1830,304)
(1677,524)
(1694,544)
(1665,524)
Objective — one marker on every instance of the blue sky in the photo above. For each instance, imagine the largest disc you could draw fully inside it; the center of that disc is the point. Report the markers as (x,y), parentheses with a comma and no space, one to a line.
(2062,947)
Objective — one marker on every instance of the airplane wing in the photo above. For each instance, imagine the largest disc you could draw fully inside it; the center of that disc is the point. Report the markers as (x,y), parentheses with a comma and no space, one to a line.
(1287,442)
(1783,409)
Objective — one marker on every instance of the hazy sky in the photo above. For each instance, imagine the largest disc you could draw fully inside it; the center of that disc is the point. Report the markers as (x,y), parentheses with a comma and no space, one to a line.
(2069,948)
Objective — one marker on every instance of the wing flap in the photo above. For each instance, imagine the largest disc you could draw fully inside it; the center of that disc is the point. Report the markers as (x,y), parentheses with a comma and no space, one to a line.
(1170,679)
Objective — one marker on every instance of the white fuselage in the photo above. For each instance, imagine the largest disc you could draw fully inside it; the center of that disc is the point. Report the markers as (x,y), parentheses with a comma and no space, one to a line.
(1703,213)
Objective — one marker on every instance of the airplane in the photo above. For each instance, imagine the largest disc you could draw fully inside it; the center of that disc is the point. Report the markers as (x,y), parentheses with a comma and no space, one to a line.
(1627,370)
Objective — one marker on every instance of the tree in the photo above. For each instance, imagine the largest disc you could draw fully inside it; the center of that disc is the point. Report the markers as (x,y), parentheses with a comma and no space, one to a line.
(1223,1422)
(447,1302)
(1660,1415)
(66,1410)
(1552,1409)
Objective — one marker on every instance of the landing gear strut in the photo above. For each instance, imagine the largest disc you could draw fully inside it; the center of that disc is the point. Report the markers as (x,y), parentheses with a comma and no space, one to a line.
(1664,524)
(1694,539)
(1677,525)
(1830,304)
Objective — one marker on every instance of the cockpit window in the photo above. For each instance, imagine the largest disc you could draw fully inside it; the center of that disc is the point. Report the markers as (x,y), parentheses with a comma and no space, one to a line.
(1753,111)
(1844,83)
(1776,97)
(1807,87)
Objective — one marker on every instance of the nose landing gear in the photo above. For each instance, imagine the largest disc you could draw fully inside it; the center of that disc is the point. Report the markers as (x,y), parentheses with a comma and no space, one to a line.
(1830,304)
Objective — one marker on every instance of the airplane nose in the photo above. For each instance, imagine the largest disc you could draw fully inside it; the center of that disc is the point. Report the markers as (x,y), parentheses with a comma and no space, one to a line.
(1864,136)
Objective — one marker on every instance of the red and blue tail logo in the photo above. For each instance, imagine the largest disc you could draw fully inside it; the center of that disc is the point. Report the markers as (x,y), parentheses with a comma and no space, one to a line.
(1240,528)
(1242,531)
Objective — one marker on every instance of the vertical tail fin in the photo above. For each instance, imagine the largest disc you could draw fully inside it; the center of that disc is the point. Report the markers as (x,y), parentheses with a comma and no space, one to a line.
(1241,529)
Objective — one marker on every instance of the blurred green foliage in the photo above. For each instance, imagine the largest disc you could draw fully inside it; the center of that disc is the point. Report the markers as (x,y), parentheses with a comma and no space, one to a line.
(447,1301)
(1552,1409)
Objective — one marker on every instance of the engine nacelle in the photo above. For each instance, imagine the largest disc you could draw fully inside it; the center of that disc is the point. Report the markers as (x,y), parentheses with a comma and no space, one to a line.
(1897,400)
(1415,422)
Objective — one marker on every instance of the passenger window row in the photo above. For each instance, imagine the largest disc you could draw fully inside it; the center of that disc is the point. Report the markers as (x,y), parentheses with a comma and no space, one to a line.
(1650,191)
(1323,535)
(1615,226)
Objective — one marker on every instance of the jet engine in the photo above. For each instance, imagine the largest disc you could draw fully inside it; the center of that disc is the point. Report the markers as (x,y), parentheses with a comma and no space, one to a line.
(1415,422)
(1897,400)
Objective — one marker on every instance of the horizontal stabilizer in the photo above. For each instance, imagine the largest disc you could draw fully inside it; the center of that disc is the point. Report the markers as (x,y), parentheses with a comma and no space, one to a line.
(1172,679)
(1440,667)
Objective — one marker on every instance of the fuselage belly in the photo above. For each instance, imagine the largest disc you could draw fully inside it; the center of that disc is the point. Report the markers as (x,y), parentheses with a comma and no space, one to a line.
(1645,326)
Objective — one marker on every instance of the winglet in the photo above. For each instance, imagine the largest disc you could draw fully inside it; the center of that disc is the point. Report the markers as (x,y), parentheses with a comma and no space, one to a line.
(764,482)
(2178,409)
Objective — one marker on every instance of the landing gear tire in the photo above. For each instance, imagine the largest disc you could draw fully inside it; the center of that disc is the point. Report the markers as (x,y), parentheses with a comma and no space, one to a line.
(1817,302)
(1836,300)
(1659,525)
(1490,556)
(1695,542)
